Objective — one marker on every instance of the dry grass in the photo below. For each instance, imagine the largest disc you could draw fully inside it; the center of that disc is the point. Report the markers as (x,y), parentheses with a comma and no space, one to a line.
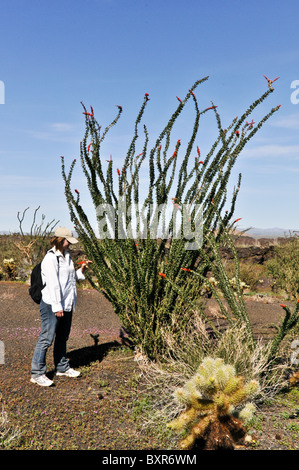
(161,379)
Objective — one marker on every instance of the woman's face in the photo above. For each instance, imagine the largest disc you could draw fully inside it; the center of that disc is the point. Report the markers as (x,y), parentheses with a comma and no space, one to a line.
(65,244)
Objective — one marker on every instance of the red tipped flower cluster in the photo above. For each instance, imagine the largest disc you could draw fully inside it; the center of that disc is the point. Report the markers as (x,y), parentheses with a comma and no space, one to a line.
(271,81)
(91,114)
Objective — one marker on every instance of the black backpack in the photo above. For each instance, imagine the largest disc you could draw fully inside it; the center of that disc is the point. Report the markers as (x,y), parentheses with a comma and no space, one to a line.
(36,283)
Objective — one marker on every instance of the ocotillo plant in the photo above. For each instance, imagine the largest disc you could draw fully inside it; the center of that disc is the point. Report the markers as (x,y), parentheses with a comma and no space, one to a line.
(127,259)
(288,323)
(209,254)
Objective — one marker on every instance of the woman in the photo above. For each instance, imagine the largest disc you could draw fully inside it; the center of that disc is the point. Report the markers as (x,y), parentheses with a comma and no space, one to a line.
(56,307)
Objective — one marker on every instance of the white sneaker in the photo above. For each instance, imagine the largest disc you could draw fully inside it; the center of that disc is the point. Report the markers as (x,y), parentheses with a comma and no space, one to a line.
(41,380)
(69,373)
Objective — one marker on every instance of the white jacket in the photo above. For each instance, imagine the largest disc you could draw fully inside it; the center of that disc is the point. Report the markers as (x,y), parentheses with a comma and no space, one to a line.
(59,275)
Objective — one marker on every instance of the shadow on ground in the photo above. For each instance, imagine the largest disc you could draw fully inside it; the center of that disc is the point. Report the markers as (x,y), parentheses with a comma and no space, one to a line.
(85,356)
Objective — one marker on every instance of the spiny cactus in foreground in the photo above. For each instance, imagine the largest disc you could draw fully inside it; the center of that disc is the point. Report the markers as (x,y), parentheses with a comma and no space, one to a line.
(211,397)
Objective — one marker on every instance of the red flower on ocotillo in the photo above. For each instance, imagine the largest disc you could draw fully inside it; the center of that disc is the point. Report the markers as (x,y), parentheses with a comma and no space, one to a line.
(250,124)
(118,171)
(186,269)
(271,81)
(211,107)
(91,114)
(162,275)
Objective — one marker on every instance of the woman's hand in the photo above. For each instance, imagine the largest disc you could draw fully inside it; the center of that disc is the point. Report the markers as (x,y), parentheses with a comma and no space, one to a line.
(84,265)
(59,314)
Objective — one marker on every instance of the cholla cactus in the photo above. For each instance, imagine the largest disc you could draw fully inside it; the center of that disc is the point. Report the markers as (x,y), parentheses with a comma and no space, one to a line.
(211,397)
(243,285)
(10,268)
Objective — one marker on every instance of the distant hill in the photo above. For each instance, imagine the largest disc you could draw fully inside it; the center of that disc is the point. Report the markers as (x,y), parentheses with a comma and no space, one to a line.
(274,232)
(253,232)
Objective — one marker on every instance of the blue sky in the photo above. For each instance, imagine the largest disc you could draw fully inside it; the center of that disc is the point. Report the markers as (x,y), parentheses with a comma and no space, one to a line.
(55,54)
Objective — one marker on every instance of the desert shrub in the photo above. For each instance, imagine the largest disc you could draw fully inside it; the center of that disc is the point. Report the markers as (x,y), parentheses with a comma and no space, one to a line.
(127,263)
(283,267)
(8,433)
(21,251)
(7,252)
(9,268)
(251,274)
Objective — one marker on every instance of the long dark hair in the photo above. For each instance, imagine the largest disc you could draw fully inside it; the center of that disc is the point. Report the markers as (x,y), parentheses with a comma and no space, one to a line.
(58,243)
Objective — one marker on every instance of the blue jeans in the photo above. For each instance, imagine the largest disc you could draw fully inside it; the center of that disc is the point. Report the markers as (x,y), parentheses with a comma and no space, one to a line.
(51,327)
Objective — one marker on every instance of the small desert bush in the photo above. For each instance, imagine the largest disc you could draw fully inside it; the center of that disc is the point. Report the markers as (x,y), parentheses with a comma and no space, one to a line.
(8,433)
(251,274)
(21,251)
(283,268)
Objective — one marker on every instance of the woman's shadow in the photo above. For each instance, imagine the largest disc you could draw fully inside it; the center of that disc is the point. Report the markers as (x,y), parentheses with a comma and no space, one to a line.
(88,354)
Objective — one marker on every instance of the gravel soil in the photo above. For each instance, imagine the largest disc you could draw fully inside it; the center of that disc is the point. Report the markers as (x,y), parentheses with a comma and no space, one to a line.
(94,411)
